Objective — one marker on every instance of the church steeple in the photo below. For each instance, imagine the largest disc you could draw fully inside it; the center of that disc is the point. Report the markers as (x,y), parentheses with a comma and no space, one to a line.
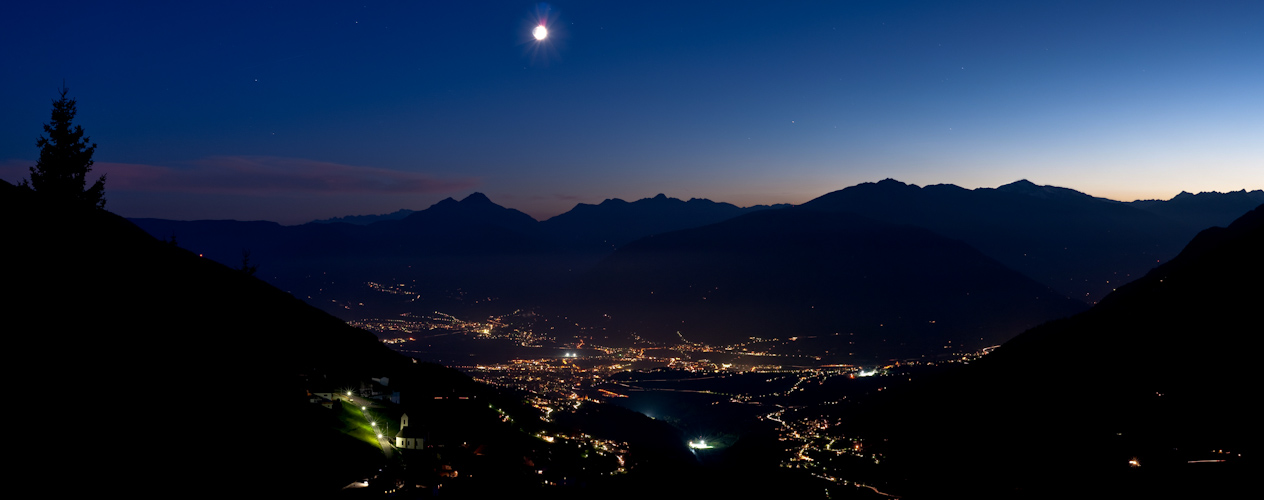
(407,438)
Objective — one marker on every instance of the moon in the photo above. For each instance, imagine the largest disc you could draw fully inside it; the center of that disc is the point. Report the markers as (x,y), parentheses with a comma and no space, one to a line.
(540,32)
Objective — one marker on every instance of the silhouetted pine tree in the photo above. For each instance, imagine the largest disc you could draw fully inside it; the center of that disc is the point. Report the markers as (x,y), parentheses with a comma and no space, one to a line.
(65,160)
(246,266)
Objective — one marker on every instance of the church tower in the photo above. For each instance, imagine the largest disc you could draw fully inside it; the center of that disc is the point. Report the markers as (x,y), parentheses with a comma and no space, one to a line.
(407,438)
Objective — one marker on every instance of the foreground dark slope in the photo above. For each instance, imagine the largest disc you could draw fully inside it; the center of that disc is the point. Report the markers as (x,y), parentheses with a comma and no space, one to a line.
(1161,371)
(150,370)
(886,290)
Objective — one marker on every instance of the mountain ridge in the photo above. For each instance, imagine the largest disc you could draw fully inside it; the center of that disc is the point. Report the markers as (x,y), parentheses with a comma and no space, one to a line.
(1077,244)
(891,290)
(1151,376)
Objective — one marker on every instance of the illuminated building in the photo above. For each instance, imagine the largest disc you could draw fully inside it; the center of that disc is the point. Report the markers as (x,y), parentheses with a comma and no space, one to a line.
(408,438)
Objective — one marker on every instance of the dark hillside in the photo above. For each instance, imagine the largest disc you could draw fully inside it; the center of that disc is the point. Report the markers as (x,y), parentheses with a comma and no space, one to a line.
(1160,372)
(164,374)
(886,290)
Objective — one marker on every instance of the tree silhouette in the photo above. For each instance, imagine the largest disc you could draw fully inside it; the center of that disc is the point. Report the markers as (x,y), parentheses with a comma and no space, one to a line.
(65,160)
(246,266)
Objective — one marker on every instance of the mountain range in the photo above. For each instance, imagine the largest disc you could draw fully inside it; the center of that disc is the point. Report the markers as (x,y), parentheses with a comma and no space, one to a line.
(1081,246)
(1072,244)
(147,351)
(363,220)
(1145,395)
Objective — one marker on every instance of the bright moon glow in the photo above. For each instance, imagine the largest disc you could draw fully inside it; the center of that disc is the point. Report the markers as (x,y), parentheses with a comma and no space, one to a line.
(540,32)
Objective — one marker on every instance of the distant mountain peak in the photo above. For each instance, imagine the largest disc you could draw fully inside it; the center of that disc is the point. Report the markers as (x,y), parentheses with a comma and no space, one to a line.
(477,199)
(892,182)
(658,200)
(886,185)
(609,202)
(1026,187)
(475,209)
(474,200)
(1019,186)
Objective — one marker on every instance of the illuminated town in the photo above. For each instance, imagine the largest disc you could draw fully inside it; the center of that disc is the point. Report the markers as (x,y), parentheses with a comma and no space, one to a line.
(556,374)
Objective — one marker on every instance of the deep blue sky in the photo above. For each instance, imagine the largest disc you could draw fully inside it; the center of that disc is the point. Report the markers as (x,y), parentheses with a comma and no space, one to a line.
(292,111)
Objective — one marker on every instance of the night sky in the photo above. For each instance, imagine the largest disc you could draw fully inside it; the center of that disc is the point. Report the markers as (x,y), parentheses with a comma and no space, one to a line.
(292,111)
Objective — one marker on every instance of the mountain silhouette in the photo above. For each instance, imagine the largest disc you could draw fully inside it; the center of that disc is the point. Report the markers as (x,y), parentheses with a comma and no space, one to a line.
(363,220)
(475,210)
(1159,373)
(1028,188)
(874,289)
(1204,210)
(471,244)
(614,222)
(1081,246)
(464,254)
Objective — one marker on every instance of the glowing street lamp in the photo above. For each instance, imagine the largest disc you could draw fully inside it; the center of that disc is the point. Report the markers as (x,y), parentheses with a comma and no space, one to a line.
(700,444)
